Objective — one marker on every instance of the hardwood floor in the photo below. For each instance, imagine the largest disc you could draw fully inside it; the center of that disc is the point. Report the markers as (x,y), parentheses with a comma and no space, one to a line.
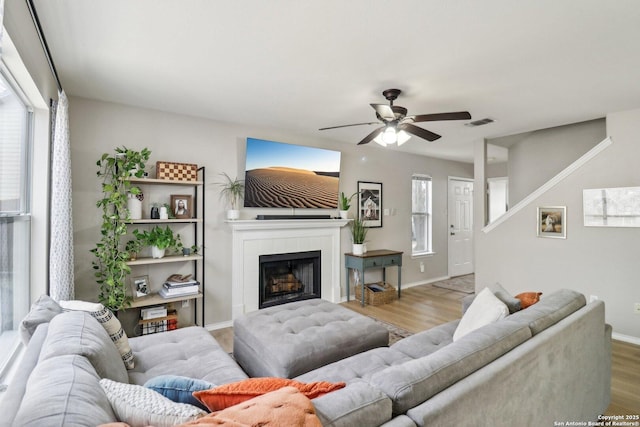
(425,306)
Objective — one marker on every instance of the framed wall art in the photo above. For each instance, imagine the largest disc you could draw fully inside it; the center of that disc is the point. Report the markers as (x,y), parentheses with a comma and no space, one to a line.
(140,286)
(370,203)
(552,222)
(181,205)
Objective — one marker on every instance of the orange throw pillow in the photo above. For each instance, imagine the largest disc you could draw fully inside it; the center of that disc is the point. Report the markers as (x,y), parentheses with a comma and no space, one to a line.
(283,407)
(528,298)
(231,394)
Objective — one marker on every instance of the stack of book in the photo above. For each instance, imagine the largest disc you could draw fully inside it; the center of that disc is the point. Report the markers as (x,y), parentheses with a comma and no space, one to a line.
(173,289)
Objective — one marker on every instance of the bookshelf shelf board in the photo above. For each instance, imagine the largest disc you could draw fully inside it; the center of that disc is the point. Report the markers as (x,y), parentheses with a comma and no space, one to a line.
(164,260)
(153,181)
(155,299)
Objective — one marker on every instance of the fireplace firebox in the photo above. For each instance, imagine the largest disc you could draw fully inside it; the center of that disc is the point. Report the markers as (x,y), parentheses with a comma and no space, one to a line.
(289,277)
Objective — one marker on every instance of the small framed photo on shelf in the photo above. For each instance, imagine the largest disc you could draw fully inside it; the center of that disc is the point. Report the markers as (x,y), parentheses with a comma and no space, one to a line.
(181,205)
(370,203)
(140,286)
(552,222)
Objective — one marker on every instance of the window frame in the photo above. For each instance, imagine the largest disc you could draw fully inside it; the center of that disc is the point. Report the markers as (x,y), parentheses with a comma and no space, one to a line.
(428,215)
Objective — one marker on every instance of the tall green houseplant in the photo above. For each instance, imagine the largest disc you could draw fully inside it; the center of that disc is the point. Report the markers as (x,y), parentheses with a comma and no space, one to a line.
(111,269)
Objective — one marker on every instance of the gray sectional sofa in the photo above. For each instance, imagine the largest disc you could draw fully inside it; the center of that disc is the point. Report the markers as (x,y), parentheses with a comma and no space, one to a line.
(549,362)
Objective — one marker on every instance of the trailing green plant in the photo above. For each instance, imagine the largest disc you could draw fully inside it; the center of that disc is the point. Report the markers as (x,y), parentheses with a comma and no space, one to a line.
(345,202)
(232,190)
(111,269)
(162,238)
(358,231)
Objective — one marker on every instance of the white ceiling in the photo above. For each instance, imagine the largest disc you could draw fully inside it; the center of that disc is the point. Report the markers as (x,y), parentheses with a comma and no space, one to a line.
(301,65)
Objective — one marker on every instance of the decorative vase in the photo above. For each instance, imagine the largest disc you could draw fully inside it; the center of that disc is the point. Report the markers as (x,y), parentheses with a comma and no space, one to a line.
(156,252)
(134,206)
(233,214)
(344,214)
(164,214)
(186,251)
(155,214)
(358,249)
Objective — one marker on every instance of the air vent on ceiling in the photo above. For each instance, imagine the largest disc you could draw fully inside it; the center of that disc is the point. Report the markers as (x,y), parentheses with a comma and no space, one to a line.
(480,122)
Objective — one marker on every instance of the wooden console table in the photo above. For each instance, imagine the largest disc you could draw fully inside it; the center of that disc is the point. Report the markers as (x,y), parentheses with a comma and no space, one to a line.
(381,258)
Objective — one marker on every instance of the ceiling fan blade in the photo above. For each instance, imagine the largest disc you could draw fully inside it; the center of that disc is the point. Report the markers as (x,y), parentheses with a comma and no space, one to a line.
(385,111)
(355,124)
(458,115)
(418,131)
(367,139)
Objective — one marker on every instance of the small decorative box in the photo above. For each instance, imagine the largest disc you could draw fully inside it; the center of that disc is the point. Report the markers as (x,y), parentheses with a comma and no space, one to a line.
(176,171)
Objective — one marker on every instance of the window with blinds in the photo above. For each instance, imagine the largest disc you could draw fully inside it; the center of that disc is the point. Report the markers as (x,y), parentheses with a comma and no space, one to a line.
(15,220)
(420,215)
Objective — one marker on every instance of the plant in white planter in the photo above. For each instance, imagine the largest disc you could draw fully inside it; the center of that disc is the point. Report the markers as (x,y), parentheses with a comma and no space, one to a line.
(160,239)
(358,236)
(344,204)
(233,191)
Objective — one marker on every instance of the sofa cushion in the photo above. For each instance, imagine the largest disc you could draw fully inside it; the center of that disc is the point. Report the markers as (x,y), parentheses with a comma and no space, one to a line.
(358,404)
(64,391)
(77,332)
(550,310)
(426,342)
(231,394)
(413,382)
(42,311)
(110,323)
(486,308)
(179,389)
(189,352)
(139,406)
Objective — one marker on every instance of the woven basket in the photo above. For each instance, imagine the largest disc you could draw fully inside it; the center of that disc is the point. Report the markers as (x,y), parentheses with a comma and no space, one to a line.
(376,298)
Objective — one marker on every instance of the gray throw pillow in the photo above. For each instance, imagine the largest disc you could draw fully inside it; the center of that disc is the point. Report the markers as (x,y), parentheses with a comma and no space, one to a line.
(42,311)
(503,295)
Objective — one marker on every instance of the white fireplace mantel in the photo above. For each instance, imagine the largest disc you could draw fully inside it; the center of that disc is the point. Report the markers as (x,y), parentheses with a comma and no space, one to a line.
(252,238)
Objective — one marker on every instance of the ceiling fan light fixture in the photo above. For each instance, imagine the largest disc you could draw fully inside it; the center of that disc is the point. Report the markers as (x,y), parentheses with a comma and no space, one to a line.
(389,136)
(378,140)
(403,137)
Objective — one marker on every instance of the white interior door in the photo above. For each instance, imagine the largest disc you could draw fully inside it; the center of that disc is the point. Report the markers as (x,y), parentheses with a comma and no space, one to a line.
(460,231)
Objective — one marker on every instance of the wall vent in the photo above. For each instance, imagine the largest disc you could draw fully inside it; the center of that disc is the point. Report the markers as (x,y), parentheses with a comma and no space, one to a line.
(480,122)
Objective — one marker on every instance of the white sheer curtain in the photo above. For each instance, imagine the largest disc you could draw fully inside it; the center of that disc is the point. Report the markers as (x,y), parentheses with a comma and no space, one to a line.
(61,248)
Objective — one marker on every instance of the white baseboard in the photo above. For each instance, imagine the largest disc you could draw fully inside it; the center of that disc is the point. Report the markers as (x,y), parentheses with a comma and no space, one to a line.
(425,282)
(626,338)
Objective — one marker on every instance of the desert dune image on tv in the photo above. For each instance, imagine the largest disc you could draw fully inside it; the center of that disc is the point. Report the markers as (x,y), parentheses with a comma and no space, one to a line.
(282,175)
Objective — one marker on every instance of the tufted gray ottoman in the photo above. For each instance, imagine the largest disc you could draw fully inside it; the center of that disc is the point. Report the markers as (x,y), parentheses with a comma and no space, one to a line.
(291,339)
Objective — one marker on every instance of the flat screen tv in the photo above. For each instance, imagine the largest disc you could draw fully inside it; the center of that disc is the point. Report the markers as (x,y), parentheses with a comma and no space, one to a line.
(279,175)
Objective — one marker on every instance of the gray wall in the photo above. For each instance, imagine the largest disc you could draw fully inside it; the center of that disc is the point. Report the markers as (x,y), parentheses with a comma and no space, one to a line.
(98,127)
(535,157)
(595,261)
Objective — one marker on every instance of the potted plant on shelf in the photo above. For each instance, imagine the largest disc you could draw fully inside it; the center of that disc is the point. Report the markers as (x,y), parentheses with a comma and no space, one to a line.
(115,171)
(345,204)
(358,236)
(160,239)
(233,191)
(133,248)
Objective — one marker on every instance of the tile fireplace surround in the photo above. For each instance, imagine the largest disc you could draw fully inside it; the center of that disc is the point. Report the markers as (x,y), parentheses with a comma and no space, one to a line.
(252,238)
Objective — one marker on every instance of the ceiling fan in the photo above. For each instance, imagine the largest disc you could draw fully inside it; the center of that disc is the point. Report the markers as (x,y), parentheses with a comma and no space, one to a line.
(398,126)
